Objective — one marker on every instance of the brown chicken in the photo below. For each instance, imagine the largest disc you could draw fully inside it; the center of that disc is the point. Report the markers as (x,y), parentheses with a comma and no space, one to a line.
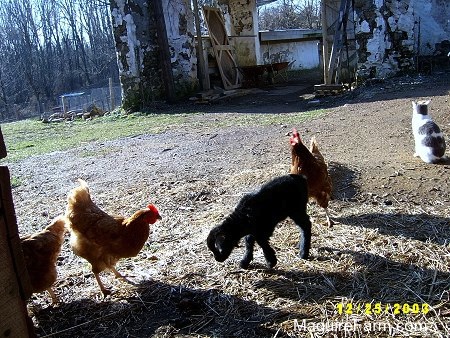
(310,162)
(102,239)
(40,251)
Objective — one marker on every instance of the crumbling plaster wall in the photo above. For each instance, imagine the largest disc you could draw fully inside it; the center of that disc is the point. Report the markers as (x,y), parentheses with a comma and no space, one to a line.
(134,44)
(241,24)
(244,30)
(181,35)
(134,27)
(387,33)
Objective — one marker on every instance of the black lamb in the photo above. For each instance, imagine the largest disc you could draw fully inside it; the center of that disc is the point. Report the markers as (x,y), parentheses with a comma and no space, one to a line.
(256,216)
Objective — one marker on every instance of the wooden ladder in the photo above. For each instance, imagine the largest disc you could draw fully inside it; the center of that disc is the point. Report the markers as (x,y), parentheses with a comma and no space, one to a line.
(336,64)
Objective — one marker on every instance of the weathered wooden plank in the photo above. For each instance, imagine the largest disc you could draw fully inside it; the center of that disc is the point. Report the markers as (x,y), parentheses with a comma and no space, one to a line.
(222,50)
(2,145)
(14,282)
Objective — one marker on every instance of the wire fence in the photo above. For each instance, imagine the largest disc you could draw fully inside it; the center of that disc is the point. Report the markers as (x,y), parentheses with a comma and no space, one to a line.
(105,98)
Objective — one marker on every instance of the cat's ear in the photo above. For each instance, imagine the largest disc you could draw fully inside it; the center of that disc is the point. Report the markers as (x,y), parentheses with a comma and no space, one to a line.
(414,104)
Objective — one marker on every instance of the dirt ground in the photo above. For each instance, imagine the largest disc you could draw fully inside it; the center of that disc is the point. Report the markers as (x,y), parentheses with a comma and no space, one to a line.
(391,243)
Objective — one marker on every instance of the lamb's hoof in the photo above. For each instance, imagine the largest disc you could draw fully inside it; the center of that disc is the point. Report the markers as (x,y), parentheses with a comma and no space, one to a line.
(244,264)
(271,264)
(303,255)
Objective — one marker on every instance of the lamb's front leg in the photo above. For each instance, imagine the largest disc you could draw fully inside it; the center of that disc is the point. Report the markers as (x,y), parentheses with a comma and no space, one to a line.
(269,253)
(304,224)
(304,243)
(248,256)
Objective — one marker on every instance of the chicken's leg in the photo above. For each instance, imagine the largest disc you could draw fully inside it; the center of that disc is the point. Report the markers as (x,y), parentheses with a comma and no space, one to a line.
(104,290)
(330,222)
(53,296)
(119,275)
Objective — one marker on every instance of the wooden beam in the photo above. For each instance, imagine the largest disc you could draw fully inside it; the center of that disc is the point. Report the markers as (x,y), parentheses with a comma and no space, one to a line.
(2,145)
(15,284)
(202,66)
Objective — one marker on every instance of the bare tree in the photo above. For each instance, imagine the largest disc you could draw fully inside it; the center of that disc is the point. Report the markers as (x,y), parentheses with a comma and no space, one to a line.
(49,47)
(310,14)
(289,14)
(27,48)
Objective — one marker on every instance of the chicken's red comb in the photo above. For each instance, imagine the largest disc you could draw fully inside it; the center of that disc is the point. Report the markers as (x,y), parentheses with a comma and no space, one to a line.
(153,208)
(295,138)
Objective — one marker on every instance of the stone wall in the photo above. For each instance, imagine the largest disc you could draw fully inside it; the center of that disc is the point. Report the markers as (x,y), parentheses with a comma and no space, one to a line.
(391,33)
(136,52)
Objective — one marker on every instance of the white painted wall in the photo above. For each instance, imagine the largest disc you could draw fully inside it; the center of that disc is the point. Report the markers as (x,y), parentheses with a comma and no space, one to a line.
(305,54)
(300,46)
(434,22)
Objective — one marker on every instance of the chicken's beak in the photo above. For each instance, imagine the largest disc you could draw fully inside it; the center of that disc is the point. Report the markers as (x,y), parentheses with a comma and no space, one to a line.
(159,217)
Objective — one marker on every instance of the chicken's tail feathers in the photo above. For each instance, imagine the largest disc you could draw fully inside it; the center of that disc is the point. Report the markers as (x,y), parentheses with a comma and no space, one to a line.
(79,196)
(83,184)
(313,146)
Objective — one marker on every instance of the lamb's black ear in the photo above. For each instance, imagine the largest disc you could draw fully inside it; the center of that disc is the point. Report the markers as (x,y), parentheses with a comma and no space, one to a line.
(220,240)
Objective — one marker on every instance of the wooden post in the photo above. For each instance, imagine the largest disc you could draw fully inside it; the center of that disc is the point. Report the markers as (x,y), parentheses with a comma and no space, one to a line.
(64,104)
(201,64)
(336,50)
(325,53)
(2,145)
(111,95)
(15,285)
(163,43)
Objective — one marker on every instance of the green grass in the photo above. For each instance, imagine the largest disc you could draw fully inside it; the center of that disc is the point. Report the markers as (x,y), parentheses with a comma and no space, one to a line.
(15,182)
(268,119)
(32,137)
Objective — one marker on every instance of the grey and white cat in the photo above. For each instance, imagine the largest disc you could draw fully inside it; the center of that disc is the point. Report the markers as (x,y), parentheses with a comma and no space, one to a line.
(428,138)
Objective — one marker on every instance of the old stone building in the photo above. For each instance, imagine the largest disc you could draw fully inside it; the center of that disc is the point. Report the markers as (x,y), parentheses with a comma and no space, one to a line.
(388,37)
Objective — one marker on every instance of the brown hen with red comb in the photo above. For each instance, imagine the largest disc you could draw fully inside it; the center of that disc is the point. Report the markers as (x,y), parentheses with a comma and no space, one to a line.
(103,239)
(310,163)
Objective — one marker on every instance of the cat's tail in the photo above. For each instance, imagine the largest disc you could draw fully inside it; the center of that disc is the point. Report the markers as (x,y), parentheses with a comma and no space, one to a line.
(442,160)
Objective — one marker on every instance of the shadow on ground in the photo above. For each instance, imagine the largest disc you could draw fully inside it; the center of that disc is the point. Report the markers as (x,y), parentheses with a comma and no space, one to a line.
(373,278)
(343,178)
(422,227)
(160,310)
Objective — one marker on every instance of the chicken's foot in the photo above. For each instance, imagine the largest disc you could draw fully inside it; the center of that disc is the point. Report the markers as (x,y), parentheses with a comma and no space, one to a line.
(122,277)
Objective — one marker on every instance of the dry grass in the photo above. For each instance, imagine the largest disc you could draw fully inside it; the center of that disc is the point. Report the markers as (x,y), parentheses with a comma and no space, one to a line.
(391,243)
(373,255)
